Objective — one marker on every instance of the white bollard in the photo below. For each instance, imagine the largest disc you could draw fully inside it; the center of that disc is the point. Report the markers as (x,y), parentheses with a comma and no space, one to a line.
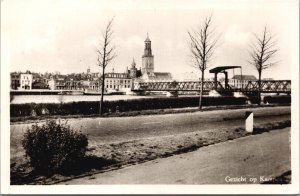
(249,122)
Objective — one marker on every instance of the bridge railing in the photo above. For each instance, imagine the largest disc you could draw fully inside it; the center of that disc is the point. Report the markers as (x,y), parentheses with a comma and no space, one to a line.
(269,86)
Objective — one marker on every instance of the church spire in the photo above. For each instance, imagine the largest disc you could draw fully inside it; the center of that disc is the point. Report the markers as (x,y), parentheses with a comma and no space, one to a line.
(147,50)
(133,63)
(147,39)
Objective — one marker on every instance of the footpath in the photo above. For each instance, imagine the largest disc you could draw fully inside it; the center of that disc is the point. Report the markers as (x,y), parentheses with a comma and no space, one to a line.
(252,159)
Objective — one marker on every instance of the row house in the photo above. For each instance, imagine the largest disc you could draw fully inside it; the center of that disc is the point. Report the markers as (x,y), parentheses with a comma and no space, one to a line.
(25,81)
(39,81)
(14,81)
(72,84)
(93,85)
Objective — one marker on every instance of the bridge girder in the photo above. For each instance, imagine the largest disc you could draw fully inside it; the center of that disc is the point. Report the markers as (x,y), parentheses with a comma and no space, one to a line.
(267,86)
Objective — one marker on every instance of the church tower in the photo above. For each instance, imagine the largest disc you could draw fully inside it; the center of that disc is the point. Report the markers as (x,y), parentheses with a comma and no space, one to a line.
(148,58)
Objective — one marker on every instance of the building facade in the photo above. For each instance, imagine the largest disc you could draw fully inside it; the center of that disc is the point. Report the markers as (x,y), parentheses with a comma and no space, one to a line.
(241,81)
(25,81)
(14,81)
(117,81)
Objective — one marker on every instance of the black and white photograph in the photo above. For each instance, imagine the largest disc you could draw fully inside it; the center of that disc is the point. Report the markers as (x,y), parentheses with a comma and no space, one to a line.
(161,97)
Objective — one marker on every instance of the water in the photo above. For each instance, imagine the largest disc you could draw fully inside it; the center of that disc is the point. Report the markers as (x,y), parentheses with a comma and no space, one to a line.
(22,99)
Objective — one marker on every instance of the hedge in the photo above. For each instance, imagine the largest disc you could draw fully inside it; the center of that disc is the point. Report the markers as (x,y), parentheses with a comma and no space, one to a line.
(277,99)
(88,108)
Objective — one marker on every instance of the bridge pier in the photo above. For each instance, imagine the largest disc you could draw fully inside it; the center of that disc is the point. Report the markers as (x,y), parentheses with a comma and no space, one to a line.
(172,94)
(238,94)
(214,93)
(138,93)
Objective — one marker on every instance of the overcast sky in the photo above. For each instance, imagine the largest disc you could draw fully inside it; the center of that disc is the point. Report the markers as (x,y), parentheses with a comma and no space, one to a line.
(61,35)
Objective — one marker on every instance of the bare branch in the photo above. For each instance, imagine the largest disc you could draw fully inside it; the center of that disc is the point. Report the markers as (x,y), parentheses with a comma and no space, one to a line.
(263,50)
(105,54)
(202,45)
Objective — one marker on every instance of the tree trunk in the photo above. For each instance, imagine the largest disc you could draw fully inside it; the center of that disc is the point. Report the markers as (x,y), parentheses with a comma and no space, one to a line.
(201,90)
(102,93)
(259,87)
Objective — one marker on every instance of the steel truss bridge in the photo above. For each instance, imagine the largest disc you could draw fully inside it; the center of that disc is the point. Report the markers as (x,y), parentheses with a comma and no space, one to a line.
(267,86)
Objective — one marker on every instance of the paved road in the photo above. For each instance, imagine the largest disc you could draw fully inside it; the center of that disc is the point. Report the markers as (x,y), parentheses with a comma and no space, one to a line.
(265,155)
(104,130)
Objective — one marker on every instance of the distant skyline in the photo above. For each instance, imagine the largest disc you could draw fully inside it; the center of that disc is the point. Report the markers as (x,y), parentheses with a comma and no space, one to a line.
(62,35)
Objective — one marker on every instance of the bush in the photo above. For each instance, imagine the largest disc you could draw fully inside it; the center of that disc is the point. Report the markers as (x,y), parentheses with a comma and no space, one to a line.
(53,146)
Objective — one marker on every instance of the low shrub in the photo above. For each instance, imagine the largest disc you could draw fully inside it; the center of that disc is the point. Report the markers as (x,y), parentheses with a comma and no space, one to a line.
(53,146)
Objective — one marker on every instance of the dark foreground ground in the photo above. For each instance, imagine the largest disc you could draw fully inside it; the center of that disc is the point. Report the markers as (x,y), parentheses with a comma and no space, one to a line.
(119,142)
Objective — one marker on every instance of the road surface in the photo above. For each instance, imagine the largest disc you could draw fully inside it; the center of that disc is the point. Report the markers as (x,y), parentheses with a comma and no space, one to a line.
(243,160)
(117,129)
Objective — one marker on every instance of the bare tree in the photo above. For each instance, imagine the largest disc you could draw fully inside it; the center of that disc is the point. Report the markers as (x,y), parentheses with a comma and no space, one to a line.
(262,51)
(105,54)
(202,45)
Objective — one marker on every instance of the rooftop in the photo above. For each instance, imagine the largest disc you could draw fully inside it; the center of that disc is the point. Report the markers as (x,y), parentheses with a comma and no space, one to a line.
(222,68)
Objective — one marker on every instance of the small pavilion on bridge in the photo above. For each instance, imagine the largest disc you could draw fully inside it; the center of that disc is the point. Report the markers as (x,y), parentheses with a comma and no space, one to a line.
(222,69)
